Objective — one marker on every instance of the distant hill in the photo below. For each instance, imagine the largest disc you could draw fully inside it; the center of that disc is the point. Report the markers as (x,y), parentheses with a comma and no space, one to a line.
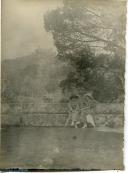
(34,76)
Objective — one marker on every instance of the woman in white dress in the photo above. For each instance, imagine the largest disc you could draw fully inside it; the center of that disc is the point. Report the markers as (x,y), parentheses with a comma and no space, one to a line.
(87,111)
(74,111)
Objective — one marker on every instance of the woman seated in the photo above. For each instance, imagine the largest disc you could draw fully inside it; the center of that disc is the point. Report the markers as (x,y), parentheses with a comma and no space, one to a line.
(74,110)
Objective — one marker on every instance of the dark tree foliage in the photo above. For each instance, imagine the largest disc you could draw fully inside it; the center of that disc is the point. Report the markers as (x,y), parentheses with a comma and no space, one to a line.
(79,33)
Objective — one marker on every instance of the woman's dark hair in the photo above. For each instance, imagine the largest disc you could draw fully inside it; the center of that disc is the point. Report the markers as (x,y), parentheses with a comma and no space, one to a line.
(74,97)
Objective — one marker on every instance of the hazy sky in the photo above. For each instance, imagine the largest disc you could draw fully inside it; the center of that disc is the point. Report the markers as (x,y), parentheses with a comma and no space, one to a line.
(23,26)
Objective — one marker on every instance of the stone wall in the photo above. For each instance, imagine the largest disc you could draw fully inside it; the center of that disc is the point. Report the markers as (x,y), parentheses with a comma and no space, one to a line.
(110,115)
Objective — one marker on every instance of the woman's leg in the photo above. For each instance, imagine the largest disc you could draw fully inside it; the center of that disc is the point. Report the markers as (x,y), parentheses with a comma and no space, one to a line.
(85,126)
(68,119)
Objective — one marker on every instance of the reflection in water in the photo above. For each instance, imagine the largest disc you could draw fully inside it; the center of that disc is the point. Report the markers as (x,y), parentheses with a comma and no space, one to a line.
(56,148)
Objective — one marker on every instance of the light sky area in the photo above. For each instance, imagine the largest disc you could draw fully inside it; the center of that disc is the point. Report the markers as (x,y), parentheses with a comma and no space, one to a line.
(23,26)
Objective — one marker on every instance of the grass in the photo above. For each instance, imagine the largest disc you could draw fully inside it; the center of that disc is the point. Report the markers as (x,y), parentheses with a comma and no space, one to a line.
(61,148)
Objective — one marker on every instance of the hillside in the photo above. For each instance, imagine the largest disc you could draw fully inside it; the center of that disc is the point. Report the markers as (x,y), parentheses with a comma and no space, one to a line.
(36,76)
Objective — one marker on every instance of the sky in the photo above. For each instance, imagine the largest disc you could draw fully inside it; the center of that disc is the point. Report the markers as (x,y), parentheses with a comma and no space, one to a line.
(23,26)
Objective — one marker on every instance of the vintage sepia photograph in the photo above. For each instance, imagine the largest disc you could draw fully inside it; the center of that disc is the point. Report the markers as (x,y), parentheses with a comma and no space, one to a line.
(62,85)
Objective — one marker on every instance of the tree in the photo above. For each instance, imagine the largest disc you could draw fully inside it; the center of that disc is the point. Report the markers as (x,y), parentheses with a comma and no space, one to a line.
(91,41)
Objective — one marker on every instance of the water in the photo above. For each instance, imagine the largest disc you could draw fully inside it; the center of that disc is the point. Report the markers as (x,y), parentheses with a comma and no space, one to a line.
(60,148)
